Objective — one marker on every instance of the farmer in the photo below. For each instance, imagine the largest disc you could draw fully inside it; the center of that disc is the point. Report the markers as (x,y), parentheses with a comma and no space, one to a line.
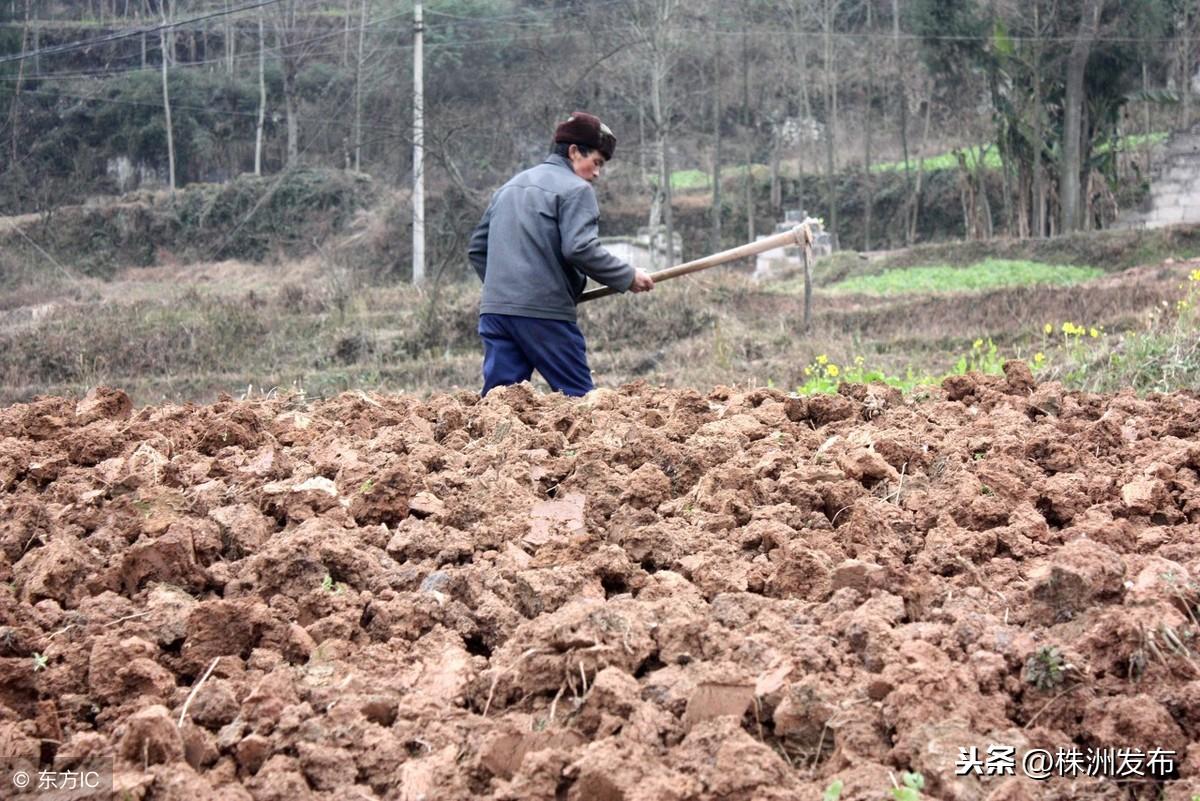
(534,250)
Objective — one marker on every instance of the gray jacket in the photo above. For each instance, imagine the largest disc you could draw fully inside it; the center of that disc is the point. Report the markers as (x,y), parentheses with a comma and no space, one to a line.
(538,243)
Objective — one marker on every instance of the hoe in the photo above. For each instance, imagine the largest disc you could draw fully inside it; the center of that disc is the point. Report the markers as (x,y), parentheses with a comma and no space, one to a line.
(800,235)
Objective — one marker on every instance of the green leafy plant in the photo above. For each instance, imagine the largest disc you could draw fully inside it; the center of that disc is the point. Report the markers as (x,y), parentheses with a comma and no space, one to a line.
(823,376)
(911,785)
(1046,668)
(329,585)
(834,791)
(984,357)
(986,274)
(40,662)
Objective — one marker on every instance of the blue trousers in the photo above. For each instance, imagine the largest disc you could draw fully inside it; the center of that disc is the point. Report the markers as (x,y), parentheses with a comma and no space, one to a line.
(513,347)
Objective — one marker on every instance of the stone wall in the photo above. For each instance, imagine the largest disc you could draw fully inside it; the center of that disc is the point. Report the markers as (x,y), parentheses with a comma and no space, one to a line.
(1174,185)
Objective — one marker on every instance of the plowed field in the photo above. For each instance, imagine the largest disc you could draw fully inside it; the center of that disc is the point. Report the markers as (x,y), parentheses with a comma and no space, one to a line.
(644,594)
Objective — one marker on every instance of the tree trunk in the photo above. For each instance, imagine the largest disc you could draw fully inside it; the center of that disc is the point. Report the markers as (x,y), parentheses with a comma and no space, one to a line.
(15,111)
(231,40)
(642,145)
(167,100)
(169,48)
(716,162)
(289,106)
(916,196)
(831,200)
(1185,44)
(657,76)
(1146,117)
(1038,202)
(262,95)
(776,188)
(902,103)
(358,68)
(748,183)
(867,125)
(1070,194)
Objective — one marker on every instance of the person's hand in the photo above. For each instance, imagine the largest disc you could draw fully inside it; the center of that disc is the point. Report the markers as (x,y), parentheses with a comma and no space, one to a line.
(642,282)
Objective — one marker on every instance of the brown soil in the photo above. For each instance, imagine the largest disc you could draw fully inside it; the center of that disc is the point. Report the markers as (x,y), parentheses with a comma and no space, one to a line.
(646,594)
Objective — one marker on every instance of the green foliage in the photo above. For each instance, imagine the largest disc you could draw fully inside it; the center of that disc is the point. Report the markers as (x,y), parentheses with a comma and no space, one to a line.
(824,376)
(987,274)
(1161,357)
(947,161)
(970,44)
(690,179)
(911,785)
(1046,668)
(40,662)
(983,358)
(834,791)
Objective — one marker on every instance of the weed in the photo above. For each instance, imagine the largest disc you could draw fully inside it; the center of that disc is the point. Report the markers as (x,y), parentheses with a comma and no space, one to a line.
(367,486)
(834,791)
(40,662)
(331,586)
(910,787)
(823,376)
(1046,669)
(983,358)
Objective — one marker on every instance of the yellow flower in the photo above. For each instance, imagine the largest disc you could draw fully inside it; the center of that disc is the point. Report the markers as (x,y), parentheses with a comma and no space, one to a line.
(832,370)
(978,344)
(808,371)
(1039,357)
(1048,328)
(1194,275)
(1093,333)
(859,360)
(822,359)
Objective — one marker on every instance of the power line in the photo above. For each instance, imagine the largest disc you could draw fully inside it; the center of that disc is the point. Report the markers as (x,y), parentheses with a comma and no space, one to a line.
(204,62)
(67,48)
(431,48)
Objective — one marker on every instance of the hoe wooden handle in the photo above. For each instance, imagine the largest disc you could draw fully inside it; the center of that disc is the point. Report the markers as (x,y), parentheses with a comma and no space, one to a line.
(800,235)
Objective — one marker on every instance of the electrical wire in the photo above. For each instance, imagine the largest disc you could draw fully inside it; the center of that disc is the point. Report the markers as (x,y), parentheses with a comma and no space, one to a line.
(67,48)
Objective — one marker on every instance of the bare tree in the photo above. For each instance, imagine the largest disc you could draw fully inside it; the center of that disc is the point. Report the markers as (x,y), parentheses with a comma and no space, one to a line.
(15,111)
(1072,151)
(358,86)
(262,95)
(166,39)
(652,24)
(295,35)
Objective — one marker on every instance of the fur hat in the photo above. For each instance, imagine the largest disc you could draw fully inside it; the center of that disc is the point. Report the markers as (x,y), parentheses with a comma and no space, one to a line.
(587,130)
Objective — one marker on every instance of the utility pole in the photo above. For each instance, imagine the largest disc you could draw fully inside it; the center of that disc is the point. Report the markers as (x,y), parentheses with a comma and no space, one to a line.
(418,265)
